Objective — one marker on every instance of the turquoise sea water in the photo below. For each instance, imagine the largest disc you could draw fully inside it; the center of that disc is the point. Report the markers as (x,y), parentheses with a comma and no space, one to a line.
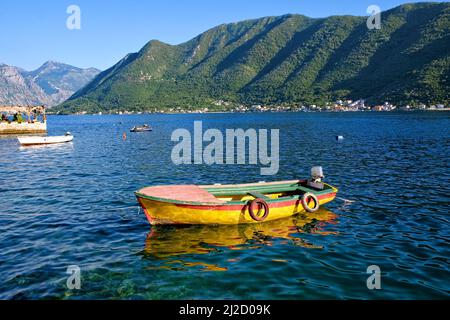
(73,204)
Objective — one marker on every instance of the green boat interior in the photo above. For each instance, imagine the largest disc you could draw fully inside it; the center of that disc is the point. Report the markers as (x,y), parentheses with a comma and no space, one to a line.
(266,191)
(219,194)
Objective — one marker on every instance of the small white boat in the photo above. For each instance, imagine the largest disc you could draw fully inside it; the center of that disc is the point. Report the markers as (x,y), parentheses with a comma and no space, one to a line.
(31,141)
(144,128)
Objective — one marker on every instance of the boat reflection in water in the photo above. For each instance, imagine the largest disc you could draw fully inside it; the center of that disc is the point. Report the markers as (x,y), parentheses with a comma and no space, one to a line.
(169,244)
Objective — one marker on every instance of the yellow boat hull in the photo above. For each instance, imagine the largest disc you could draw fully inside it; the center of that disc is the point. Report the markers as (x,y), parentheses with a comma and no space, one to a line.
(160,211)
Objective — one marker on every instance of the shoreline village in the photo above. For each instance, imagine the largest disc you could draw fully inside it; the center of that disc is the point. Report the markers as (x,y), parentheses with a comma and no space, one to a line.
(336,107)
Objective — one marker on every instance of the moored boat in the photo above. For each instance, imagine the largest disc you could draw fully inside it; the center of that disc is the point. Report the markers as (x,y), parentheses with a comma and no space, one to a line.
(143,128)
(37,140)
(233,204)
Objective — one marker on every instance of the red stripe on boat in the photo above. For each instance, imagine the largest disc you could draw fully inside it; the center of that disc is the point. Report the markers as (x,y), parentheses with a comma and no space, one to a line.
(280,204)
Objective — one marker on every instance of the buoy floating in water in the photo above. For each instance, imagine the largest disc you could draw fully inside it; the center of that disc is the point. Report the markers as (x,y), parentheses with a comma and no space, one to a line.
(339,138)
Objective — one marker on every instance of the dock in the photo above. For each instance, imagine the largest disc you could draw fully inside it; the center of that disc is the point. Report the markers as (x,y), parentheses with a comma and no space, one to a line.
(22,120)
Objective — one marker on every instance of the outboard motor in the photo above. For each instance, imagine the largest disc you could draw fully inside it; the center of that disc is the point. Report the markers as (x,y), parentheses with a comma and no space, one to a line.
(316,178)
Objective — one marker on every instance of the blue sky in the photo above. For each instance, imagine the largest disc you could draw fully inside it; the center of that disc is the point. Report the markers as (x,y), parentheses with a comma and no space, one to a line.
(33,32)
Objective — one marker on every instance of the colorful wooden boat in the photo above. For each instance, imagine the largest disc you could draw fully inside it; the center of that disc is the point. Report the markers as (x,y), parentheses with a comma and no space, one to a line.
(231,204)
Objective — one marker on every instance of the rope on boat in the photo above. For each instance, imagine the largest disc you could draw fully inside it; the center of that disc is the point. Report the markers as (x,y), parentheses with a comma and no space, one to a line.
(124,208)
(345,200)
(127,208)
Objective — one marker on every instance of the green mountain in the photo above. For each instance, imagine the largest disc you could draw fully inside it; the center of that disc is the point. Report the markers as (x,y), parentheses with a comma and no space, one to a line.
(289,59)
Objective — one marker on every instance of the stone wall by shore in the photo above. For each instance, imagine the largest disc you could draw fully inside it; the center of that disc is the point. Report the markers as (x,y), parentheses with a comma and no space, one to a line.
(24,127)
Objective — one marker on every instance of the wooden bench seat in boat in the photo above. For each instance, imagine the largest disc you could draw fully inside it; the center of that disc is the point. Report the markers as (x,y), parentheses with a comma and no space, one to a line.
(258,195)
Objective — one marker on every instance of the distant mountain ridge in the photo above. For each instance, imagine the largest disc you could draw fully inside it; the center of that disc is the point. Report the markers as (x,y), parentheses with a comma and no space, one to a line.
(49,85)
(290,59)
